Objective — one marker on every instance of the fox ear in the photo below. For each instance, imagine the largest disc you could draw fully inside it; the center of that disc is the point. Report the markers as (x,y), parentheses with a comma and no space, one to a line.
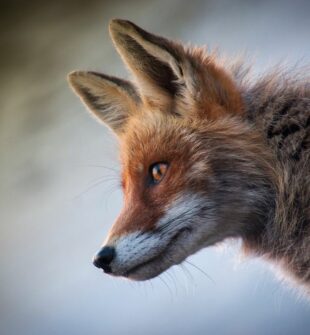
(166,70)
(155,61)
(110,99)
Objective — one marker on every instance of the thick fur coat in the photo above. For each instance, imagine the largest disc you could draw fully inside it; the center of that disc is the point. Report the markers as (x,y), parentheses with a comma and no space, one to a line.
(206,155)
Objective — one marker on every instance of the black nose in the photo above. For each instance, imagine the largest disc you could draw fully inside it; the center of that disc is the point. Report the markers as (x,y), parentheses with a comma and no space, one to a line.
(104,258)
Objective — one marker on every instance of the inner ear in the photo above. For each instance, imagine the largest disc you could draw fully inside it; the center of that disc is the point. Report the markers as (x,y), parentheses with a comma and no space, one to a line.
(150,67)
(112,100)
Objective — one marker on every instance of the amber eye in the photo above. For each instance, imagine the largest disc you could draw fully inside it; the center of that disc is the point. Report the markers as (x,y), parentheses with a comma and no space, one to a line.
(158,171)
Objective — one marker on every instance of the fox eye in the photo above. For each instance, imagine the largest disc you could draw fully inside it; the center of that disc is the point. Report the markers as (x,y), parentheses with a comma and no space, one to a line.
(158,171)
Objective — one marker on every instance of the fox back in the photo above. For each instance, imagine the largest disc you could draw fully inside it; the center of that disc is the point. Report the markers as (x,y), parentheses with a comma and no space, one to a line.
(206,155)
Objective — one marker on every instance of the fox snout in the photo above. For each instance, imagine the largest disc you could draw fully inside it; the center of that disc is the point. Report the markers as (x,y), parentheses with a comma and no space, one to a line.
(141,253)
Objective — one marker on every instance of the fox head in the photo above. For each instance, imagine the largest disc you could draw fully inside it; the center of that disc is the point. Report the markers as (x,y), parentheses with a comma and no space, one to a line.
(194,171)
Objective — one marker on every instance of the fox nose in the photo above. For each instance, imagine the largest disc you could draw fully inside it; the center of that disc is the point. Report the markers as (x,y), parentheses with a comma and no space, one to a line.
(104,258)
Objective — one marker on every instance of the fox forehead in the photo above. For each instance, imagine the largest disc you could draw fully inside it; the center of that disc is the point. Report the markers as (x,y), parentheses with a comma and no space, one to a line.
(149,140)
(153,136)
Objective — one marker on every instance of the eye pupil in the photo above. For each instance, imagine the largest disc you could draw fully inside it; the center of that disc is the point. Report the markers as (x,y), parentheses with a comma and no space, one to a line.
(158,171)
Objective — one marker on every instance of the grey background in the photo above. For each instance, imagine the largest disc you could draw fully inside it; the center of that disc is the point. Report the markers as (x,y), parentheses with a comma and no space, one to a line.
(57,201)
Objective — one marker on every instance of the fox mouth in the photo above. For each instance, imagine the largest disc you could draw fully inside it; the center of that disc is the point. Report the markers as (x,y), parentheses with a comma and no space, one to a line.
(159,263)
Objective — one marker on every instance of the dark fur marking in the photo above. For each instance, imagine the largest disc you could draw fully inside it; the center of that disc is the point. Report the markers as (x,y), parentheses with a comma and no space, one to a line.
(277,117)
(297,154)
(287,130)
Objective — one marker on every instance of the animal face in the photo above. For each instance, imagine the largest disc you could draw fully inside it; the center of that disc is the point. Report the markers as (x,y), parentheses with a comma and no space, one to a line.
(190,169)
(155,227)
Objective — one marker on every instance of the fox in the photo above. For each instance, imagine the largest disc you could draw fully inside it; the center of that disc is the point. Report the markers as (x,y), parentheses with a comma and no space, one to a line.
(206,155)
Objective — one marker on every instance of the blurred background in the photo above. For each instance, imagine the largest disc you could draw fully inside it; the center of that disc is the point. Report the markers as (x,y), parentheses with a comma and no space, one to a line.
(59,187)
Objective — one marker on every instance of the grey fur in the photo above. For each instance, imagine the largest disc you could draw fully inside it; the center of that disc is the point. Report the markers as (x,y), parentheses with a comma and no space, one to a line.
(279,107)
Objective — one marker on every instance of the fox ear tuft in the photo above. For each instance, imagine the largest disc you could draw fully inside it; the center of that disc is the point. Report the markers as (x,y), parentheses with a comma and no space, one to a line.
(110,99)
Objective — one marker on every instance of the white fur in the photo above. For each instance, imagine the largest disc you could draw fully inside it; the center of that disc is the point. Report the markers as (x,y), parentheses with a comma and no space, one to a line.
(135,248)
(180,232)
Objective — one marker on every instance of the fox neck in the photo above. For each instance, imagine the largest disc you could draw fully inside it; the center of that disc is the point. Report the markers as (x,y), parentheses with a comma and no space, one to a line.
(285,234)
